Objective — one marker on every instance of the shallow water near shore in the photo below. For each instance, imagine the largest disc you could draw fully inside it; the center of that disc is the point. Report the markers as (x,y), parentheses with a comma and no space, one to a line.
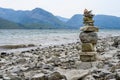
(46,37)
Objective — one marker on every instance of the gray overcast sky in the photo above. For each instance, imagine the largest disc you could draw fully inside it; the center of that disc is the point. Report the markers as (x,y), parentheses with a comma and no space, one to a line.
(66,8)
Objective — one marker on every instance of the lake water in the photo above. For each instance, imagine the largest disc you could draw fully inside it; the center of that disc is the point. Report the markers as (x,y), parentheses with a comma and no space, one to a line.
(46,37)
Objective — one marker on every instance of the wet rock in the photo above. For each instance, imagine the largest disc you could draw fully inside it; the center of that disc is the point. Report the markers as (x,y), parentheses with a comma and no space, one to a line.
(118,74)
(3,54)
(13,46)
(104,73)
(56,76)
(96,76)
(1,74)
(110,77)
(48,66)
(101,74)
(118,54)
(31,45)
(22,60)
(116,41)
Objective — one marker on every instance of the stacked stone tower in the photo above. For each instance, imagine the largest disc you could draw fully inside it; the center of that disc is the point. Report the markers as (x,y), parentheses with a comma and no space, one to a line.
(88,37)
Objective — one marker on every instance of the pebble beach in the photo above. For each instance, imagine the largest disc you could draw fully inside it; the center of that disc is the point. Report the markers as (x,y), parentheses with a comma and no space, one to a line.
(61,62)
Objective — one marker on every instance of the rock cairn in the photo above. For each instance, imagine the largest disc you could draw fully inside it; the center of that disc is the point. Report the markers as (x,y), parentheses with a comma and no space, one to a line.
(88,37)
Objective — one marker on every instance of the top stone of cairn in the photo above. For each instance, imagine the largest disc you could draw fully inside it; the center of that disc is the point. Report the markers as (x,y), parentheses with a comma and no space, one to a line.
(88,22)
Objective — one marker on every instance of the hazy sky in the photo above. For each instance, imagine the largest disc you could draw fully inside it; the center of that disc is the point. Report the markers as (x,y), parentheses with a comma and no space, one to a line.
(66,8)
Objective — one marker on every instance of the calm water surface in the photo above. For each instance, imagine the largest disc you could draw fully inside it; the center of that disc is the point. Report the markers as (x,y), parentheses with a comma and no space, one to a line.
(46,37)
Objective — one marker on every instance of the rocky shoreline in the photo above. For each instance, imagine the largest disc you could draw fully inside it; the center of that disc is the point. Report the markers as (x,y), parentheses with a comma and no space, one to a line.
(62,62)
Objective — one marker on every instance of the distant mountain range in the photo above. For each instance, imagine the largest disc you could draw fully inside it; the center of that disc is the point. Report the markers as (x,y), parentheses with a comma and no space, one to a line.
(41,19)
(34,19)
(62,18)
(5,24)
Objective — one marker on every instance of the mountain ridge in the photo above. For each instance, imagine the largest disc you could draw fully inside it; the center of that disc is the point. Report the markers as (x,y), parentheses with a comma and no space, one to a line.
(62,18)
(102,21)
(37,16)
(41,19)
